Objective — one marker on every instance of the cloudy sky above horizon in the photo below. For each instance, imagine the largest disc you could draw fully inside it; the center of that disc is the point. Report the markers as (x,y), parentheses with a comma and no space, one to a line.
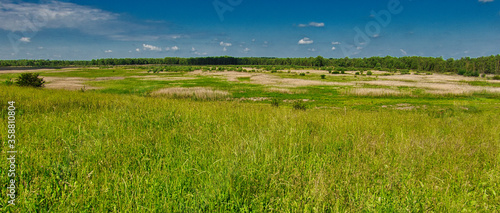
(91,29)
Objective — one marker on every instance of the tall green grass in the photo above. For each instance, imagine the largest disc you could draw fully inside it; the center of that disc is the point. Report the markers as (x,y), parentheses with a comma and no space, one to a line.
(93,152)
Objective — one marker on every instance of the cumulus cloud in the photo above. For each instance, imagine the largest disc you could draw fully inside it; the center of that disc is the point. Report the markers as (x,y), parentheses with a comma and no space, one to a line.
(174,48)
(334,48)
(26,17)
(306,40)
(151,47)
(52,14)
(225,44)
(335,43)
(246,50)
(25,39)
(312,49)
(108,51)
(198,53)
(486,1)
(313,24)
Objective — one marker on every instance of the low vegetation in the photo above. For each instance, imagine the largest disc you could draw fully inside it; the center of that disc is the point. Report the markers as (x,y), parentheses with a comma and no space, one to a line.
(255,139)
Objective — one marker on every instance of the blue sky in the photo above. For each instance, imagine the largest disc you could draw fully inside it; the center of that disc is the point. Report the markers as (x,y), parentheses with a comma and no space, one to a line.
(90,29)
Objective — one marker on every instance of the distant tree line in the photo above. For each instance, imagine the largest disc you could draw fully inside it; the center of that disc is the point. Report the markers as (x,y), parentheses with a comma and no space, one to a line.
(488,64)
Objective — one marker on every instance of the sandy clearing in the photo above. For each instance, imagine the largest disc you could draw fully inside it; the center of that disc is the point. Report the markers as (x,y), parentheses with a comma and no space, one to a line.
(436,88)
(270,80)
(67,83)
(371,92)
(161,78)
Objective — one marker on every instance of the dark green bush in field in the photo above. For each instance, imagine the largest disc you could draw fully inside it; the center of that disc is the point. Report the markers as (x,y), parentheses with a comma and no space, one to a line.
(342,72)
(369,73)
(496,77)
(299,105)
(8,82)
(336,72)
(358,73)
(275,102)
(30,80)
(302,74)
(323,76)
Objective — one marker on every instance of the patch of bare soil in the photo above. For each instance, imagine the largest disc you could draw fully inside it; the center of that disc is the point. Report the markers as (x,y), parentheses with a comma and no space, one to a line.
(67,83)
(445,87)
(161,78)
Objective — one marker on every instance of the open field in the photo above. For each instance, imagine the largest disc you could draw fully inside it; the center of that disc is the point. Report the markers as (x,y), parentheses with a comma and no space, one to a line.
(125,139)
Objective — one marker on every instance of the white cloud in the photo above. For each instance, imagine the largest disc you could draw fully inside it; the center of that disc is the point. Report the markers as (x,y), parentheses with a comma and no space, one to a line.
(225,49)
(225,44)
(313,24)
(108,51)
(312,49)
(193,49)
(306,40)
(137,50)
(246,50)
(25,39)
(334,48)
(486,1)
(403,51)
(174,48)
(335,43)
(198,53)
(52,14)
(151,47)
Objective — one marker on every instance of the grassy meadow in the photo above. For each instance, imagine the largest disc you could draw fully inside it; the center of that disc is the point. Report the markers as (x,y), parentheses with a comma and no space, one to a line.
(135,143)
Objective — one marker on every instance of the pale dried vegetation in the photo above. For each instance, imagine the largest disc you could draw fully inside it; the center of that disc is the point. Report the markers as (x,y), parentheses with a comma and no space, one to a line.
(372,92)
(198,93)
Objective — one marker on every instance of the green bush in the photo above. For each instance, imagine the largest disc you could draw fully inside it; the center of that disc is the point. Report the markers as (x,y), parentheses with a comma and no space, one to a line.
(8,82)
(496,77)
(299,105)
(30,80)
(369,73)
(275,102)
(302,74)
(323,76)
(342,72)
(358,73)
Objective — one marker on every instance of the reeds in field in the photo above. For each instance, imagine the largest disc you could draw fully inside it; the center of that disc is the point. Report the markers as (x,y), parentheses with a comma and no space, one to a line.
(197,93)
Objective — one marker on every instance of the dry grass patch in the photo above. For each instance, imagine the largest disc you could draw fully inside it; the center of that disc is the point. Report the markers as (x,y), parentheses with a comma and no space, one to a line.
(198,93)
(160,78)
(285,90)
(67,83)
(372,92)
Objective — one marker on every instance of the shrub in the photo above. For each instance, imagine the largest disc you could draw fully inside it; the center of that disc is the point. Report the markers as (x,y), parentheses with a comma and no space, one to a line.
(30,80)
(8,82)
(302,74)
(323,76)
(299,105)
(496,77)
(275,102)
(342,72)
(369,73)
(357,73)
(483,75)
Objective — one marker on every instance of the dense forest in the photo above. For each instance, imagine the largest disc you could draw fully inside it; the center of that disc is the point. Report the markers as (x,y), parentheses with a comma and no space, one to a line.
(487,65)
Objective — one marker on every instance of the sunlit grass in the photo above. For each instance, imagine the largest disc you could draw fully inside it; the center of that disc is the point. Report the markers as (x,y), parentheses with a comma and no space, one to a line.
(88,151)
